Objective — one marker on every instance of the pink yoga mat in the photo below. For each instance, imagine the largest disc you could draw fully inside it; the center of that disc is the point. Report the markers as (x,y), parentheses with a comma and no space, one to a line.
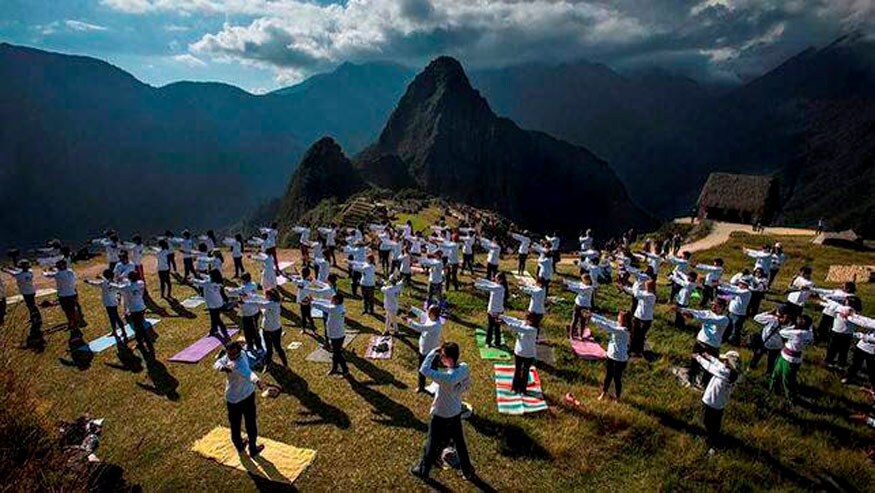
(201,348)
(587,348)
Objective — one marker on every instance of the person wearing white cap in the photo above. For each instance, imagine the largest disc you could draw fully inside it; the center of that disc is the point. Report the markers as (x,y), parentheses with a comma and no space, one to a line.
(725,371)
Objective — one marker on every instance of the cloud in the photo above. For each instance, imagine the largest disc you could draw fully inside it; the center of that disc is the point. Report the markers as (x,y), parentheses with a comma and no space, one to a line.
(296,38)
(190,60)
(81,26)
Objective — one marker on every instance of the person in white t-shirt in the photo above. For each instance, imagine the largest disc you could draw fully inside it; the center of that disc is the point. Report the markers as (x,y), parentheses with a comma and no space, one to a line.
(109,297)
(240,397)
(725,371)
(618,350)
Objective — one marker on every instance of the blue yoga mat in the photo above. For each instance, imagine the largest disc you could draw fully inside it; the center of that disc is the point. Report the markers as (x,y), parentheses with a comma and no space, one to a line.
(108,341)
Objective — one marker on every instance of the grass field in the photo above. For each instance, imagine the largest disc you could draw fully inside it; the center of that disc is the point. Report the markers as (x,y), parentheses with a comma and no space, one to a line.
(369,430)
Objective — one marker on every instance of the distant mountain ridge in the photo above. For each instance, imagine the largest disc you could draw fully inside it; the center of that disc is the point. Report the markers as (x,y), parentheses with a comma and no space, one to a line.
(444,139)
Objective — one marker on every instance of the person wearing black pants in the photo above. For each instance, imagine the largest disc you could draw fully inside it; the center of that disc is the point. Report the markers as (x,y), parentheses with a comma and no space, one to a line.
(725,372)
(138,323)
(864,352)
(524,350)
(453,380)
(335,319)
(271,328)
(240,398)
(618,350)
(213,290)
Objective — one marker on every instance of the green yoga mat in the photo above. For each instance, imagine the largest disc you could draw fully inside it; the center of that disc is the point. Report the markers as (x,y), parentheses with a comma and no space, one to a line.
(487,352)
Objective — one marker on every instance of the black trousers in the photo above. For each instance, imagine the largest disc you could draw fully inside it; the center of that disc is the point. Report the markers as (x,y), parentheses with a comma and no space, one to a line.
(329,254)
(860,357)
(756,299)
(69,307)
(707,295)
(238,267)
(216,324)
(839,345)
(521,374)
(356,279)
(442,431)
(368,299)
(115,321)
(824,327)
(273,341)
(713,420)
(250,332)
(187,266)
(420,381)
(468,262)
(614,372)
(138,323)
(578,319)
(164,281)
(307,317)
(491,270)
(243,411)
(435,289)
(639,335)
(338,361)
(772,358)
(171,262)
(675,289)
(772,274)
(452,276)
(384,260)
(521,263)
(493,330)
(30,303)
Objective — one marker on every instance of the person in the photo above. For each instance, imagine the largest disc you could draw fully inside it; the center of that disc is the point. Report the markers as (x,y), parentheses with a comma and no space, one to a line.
(495,307)
(110,244)
(553,243)
(778,260)
(681,266)
(435,267)
(546,261)
(739,297)
(800,289)
(725,371)
(123,267)
(186,246)
(269,235)
(135,252)
(162,253)
(758,284)
(24,280)
(686,283)
(171,247)
(643,317)
(453,379)
(368,282)
(109,298)
(762,257)
(385,248)
(787,367)
(770,342)
(843,330)
(132,290)
(493,256)
(429,327)
(391,291)
(821,224)
(537,297)
(404,265)
(468,253)
(249,311)
(618,350)
(524,350)
(450,250)
(302,297)
(864,352)
(236,245)
(268,271)
(335,314)
(584,291)
(68,297)
(272,328)
(240,389)
(522,251)
(214,295)
(710,336)
(330,235)
(828,314)
(713,273)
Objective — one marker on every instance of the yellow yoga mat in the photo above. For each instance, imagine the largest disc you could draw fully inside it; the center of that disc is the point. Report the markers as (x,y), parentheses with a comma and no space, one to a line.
(277,462)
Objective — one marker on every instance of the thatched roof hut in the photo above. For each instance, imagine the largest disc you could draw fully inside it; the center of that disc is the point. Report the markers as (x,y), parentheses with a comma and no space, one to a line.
(739,198)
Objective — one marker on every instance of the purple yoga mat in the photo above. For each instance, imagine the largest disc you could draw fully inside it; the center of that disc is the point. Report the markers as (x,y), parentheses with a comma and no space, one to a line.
(199,349)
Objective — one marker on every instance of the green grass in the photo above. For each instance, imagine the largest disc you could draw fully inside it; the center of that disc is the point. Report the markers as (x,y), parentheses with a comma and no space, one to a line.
(368,432)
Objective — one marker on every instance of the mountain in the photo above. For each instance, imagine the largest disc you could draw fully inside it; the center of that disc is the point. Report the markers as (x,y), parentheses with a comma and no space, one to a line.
(445,139)
(85,145)
(325,173)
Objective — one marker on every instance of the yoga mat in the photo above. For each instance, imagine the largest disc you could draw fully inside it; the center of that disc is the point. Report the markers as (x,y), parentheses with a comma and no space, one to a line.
(39,294)
(105,342)
(545,353)
(278,461)
(281,279)
(321,355)
(487,352)
(526,279)
(317,313)
(202,347)
(510,403)
(193,302)
(376,342)
(587,348)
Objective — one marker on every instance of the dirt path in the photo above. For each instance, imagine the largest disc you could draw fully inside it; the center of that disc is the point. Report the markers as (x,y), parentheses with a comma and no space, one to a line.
(721,231)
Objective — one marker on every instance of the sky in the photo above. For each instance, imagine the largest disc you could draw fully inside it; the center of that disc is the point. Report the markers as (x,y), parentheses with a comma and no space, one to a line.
(262,45)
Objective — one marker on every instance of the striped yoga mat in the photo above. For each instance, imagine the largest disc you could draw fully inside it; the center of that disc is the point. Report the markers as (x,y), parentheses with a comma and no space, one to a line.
(510,403)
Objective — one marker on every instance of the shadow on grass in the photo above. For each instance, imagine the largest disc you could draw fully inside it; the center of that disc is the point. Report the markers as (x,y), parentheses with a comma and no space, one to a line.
(513,441)
(180,310)
(128,360)
(390,413)
(163,382)
(378,375)
(730,442)
(293,384)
